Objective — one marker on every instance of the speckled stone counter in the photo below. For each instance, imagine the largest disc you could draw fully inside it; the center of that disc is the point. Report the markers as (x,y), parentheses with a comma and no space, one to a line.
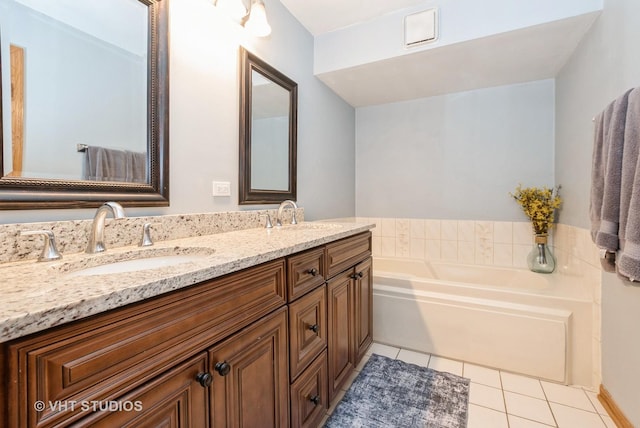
(36,296)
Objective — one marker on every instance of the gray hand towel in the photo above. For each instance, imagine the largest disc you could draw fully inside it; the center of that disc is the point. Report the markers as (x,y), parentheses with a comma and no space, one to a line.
(102,164)
(629,257)
(614,124)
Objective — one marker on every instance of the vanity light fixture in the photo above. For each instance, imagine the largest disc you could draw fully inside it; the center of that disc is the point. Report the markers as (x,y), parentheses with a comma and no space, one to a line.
(255,21)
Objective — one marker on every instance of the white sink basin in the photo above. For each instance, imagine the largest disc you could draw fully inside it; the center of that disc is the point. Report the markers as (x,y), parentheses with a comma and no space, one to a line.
(133,261)
(138,264)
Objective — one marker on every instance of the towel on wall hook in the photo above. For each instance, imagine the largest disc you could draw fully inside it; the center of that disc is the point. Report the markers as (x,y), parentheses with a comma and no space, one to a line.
(615,178)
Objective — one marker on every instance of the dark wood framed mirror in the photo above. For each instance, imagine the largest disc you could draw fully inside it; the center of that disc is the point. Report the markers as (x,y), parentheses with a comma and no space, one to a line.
(84,90)
(268,133)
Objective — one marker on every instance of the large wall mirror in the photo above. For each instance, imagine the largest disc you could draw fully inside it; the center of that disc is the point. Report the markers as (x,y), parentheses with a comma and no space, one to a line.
(85,102)
(268,133)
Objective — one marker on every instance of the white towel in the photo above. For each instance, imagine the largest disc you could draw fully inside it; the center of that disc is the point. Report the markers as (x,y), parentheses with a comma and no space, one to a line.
(629,257)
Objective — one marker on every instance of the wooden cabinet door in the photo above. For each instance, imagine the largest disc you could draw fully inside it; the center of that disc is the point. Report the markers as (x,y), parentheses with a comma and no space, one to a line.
(363,304)
(173,400)
(340,328)
(251,376)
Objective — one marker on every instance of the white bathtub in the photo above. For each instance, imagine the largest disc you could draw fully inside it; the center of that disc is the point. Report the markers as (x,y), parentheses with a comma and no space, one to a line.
(507,318)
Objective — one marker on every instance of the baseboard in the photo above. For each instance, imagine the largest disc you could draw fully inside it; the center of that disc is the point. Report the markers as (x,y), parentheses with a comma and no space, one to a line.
(612,408)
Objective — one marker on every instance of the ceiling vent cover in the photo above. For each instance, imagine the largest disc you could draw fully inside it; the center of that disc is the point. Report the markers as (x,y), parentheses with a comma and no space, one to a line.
(420,28)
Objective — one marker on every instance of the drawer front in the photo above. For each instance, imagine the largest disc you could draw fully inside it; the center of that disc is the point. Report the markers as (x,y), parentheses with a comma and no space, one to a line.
(305,272)
(347,252)
(108,355)
(309,396)
(307,329)
(175,399)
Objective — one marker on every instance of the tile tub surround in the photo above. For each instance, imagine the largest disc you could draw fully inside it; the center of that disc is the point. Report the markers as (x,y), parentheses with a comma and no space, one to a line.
(495,243)
(37,296)
(72,236)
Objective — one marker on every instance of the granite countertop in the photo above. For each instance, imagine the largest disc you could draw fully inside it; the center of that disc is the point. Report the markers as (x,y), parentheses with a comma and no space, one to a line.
(36,296)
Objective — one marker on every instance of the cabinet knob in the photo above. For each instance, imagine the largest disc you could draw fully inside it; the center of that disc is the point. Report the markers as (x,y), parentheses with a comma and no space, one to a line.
(313,271)
(315,399)
(223,368)
(314,328)
(204,379)
(357,275)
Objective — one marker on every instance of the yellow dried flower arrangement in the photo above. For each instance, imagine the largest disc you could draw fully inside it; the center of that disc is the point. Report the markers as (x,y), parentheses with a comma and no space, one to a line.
(539,204)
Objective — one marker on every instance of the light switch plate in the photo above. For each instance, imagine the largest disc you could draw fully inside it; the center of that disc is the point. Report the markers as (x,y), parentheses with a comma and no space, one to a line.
(221,188)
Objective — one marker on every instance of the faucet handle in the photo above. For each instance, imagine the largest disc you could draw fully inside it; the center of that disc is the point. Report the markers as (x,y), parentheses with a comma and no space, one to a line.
(49,251)
(267,224)
(145,240)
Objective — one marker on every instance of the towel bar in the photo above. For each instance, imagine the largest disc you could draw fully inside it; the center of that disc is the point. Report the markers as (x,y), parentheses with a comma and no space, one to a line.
(82,147)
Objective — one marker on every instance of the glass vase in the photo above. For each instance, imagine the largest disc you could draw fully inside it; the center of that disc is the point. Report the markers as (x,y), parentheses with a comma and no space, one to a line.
(540,258)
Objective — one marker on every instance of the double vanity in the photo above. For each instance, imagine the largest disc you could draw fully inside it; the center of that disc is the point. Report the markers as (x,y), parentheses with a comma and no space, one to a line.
(255,327)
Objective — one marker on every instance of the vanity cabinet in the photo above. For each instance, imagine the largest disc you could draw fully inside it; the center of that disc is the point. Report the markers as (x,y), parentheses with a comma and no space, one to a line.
(103,358)
(350,307)
(267,346)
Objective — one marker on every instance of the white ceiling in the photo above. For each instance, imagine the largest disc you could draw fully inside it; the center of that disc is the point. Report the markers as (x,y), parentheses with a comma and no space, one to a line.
(321,16)
(525,55)
(532,53)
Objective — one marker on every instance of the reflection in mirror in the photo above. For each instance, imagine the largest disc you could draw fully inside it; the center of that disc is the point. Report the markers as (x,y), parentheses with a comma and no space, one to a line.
(84,102)
(268,133)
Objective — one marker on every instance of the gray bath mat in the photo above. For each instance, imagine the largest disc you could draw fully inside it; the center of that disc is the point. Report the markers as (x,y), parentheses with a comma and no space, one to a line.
(391,393)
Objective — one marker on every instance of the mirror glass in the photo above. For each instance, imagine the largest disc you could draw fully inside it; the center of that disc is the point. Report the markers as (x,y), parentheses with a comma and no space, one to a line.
(83,102)
(268,138)
(269,134)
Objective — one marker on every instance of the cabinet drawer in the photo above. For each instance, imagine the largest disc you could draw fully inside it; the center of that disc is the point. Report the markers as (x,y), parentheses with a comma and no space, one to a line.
(305,272)
(347,252)
(307,329)
(175,399)
(309,398)
(103,357)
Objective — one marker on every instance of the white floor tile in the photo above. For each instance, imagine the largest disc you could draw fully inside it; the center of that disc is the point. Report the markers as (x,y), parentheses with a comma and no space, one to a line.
(349,381)
(486,396)
(522,385)
(567,395)
(412,357)
(483,375)
(445,365)
(384,350)
(518,422)
(481,417)
(570,417)
(593,397)
(528,407)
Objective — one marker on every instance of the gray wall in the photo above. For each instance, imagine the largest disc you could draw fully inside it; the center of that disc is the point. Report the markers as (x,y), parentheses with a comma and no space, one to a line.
(205,111)
(604,66)
(455,156)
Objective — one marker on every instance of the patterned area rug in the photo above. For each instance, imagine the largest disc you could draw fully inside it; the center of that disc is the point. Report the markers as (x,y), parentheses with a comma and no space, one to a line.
(392,393)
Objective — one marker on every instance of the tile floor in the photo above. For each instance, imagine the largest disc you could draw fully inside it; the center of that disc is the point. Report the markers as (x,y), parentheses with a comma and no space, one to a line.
(500,399)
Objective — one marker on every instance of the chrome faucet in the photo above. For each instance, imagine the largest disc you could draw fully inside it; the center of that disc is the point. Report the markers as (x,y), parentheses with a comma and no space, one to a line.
(283,205)
(50,250)
(96,238)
